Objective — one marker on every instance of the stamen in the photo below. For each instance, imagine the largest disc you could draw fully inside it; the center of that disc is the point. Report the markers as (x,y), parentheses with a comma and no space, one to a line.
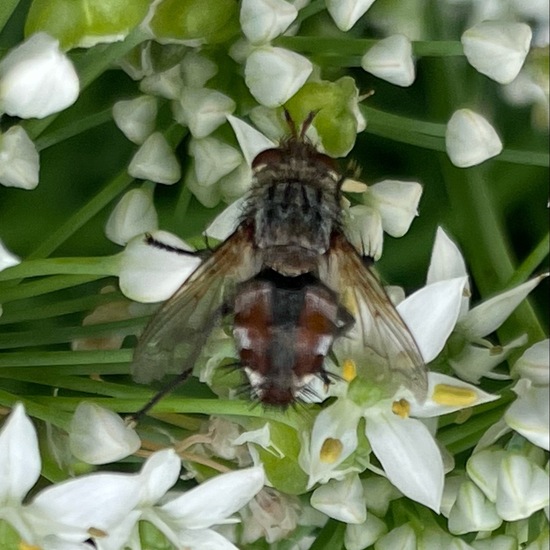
(24,546)
(349,301)
(453,396)
(349,370)
(401,408)
(95,532)
(331,449)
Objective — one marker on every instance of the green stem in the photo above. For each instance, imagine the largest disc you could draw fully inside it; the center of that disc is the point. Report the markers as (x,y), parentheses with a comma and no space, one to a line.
(73,128)
(358,46)
(82,216)
(531,263)
(49,358)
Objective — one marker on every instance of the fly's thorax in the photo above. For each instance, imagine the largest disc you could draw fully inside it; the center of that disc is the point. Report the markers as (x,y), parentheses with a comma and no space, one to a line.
(295,205)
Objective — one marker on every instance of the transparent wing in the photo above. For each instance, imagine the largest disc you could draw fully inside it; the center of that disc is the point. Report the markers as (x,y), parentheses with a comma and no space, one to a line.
(175,336)
(378,326)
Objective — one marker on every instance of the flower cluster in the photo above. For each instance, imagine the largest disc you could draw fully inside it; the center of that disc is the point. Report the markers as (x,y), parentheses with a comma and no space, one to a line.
(174,100)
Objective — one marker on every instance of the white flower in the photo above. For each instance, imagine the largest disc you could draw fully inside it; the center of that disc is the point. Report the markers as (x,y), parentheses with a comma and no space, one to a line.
(133,215)
(522,488)
(167,84)
(391,59)
(136,117)
(402,537)
(401,444)
(155,161)
(497,49)
(19,160)
(196,69)
(389,206)
(472,511)
(346,13)
(529,414)
(202,110)
(274,75)
(363,535)
(470,139)
(476,357)
(213,159)
(534,364)
(99,436)
(7,259)
(263,20)
(37,79)
(151,274)
(342,500)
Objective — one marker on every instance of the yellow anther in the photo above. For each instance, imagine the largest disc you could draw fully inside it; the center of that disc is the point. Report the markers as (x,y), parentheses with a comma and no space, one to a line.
(95,532)
(331,449)
(25,546)
(453,396)
(349,370)
(401,408)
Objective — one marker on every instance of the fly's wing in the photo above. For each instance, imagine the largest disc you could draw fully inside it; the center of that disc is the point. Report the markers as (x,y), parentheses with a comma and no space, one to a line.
(175,336)
(378,326)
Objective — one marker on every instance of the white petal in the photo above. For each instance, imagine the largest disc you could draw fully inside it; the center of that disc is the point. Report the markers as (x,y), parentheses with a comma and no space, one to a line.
(167,84)
(522,488)
(379,493)
(364,230)
(397,202)
(202,110)
(499,542)
(268,122)
(19,160)
(492,435)
(346,13)
(447,394)
(225,223)
(333,439)
(37,79)
(136,117)
(497,49)
(341,500)
(158,473)
(251,142)
(263,20)
(534,364)
(490,314)
(213,159)
(7,259)
(133,215)
(363,535)
(236,184)
(431,314)
(104,500)
(216,499)
(450,493)
(529,414)
(196,69)
(274,75)
(100,436)
(483,468)
(391,60)
(408,454)
(155,161)
(472,511)
(470,139)
(402,538)
(150,274)
(446,261)
(19,457)
(208,195)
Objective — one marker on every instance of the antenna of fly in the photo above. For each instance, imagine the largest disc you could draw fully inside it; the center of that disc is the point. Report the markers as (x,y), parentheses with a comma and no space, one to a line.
(304,128)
